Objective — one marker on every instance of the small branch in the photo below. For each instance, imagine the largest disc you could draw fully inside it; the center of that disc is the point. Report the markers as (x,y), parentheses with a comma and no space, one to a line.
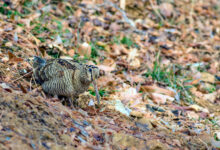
(21,77)
(156,11)
(129,21)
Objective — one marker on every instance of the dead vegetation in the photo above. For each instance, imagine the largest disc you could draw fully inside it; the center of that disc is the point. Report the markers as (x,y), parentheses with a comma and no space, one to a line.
(161,88)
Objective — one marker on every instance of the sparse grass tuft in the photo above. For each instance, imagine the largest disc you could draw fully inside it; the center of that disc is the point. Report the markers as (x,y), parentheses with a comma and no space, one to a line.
(102,92)
(127,41)
(169,75)
(95,49)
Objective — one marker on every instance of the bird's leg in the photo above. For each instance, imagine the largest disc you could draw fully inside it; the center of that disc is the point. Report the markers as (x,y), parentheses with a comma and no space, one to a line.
(71,101)
(95,86)
(63,101)
(56,96)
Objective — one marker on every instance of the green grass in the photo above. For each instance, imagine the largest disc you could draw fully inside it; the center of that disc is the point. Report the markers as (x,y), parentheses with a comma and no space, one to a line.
(10,13)
(77,58)
(127,41)
(102,92)
(215,137)
(54,55)
(42,39)
(59,25)
(39,28)
(169,75)
(21,24)
(28,3)
(211,89)
(95,48)
(116,40)
(69,10)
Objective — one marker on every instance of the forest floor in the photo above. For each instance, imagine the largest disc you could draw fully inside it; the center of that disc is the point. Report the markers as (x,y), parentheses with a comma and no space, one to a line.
(161,88)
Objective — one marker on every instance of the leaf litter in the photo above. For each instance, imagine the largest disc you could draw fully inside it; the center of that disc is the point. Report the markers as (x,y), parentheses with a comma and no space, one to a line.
(161,87)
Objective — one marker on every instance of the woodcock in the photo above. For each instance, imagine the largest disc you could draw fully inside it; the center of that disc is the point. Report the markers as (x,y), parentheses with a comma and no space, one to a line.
(65,77)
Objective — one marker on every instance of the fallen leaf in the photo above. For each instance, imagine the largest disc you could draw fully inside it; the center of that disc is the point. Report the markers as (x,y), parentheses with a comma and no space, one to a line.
(166,9)
(71,52)
(118,106)
(155,144)
(127,141)
(146,121)
(108,65)
(13,58)
(198,108)
(156,89)
(135,63)
(4,86)
(84,49)
(133,53)
(129,93)
(210,97)
(106,80)
(22,88)
(205,76)
(160,98)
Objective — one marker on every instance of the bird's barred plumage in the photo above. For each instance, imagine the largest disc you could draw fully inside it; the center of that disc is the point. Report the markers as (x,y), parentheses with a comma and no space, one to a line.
(64,77)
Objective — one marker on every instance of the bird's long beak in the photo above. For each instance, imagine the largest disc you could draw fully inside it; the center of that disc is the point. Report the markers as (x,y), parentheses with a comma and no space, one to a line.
(96,92)
(95,87)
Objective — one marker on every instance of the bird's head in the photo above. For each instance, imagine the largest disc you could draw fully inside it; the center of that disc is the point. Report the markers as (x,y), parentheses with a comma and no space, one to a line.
(38,62)
(90,73)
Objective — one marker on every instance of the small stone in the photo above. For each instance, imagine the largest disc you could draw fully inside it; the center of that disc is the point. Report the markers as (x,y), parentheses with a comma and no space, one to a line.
(97,22)
(137,114)
(126,141)
(145,121)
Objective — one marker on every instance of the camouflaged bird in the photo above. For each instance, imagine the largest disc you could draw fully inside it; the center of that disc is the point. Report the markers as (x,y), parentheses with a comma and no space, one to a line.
(64,77)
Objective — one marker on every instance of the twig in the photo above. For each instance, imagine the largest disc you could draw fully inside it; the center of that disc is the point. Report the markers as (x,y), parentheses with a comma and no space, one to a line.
(30,83)
(129,21)
(184,90)
(21,77)
(206,145)
(156,11)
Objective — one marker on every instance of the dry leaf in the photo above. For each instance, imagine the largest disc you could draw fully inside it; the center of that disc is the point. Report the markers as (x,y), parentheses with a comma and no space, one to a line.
(84,49)
(166,9)
(198,108)
(13,58)
(136,113)
(156,89)
(160,98)
(108,65)
(71,52)
(129,93)
(135,63)
(207,77)
(192,115)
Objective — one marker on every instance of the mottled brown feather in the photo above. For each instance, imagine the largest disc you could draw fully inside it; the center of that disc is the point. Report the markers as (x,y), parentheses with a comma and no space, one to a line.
(64,77)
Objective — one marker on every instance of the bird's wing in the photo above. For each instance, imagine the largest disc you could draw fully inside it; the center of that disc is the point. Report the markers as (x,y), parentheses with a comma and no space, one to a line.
(52,68)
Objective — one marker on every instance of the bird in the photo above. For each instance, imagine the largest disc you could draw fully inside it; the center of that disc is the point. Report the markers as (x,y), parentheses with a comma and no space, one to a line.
(64,77)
